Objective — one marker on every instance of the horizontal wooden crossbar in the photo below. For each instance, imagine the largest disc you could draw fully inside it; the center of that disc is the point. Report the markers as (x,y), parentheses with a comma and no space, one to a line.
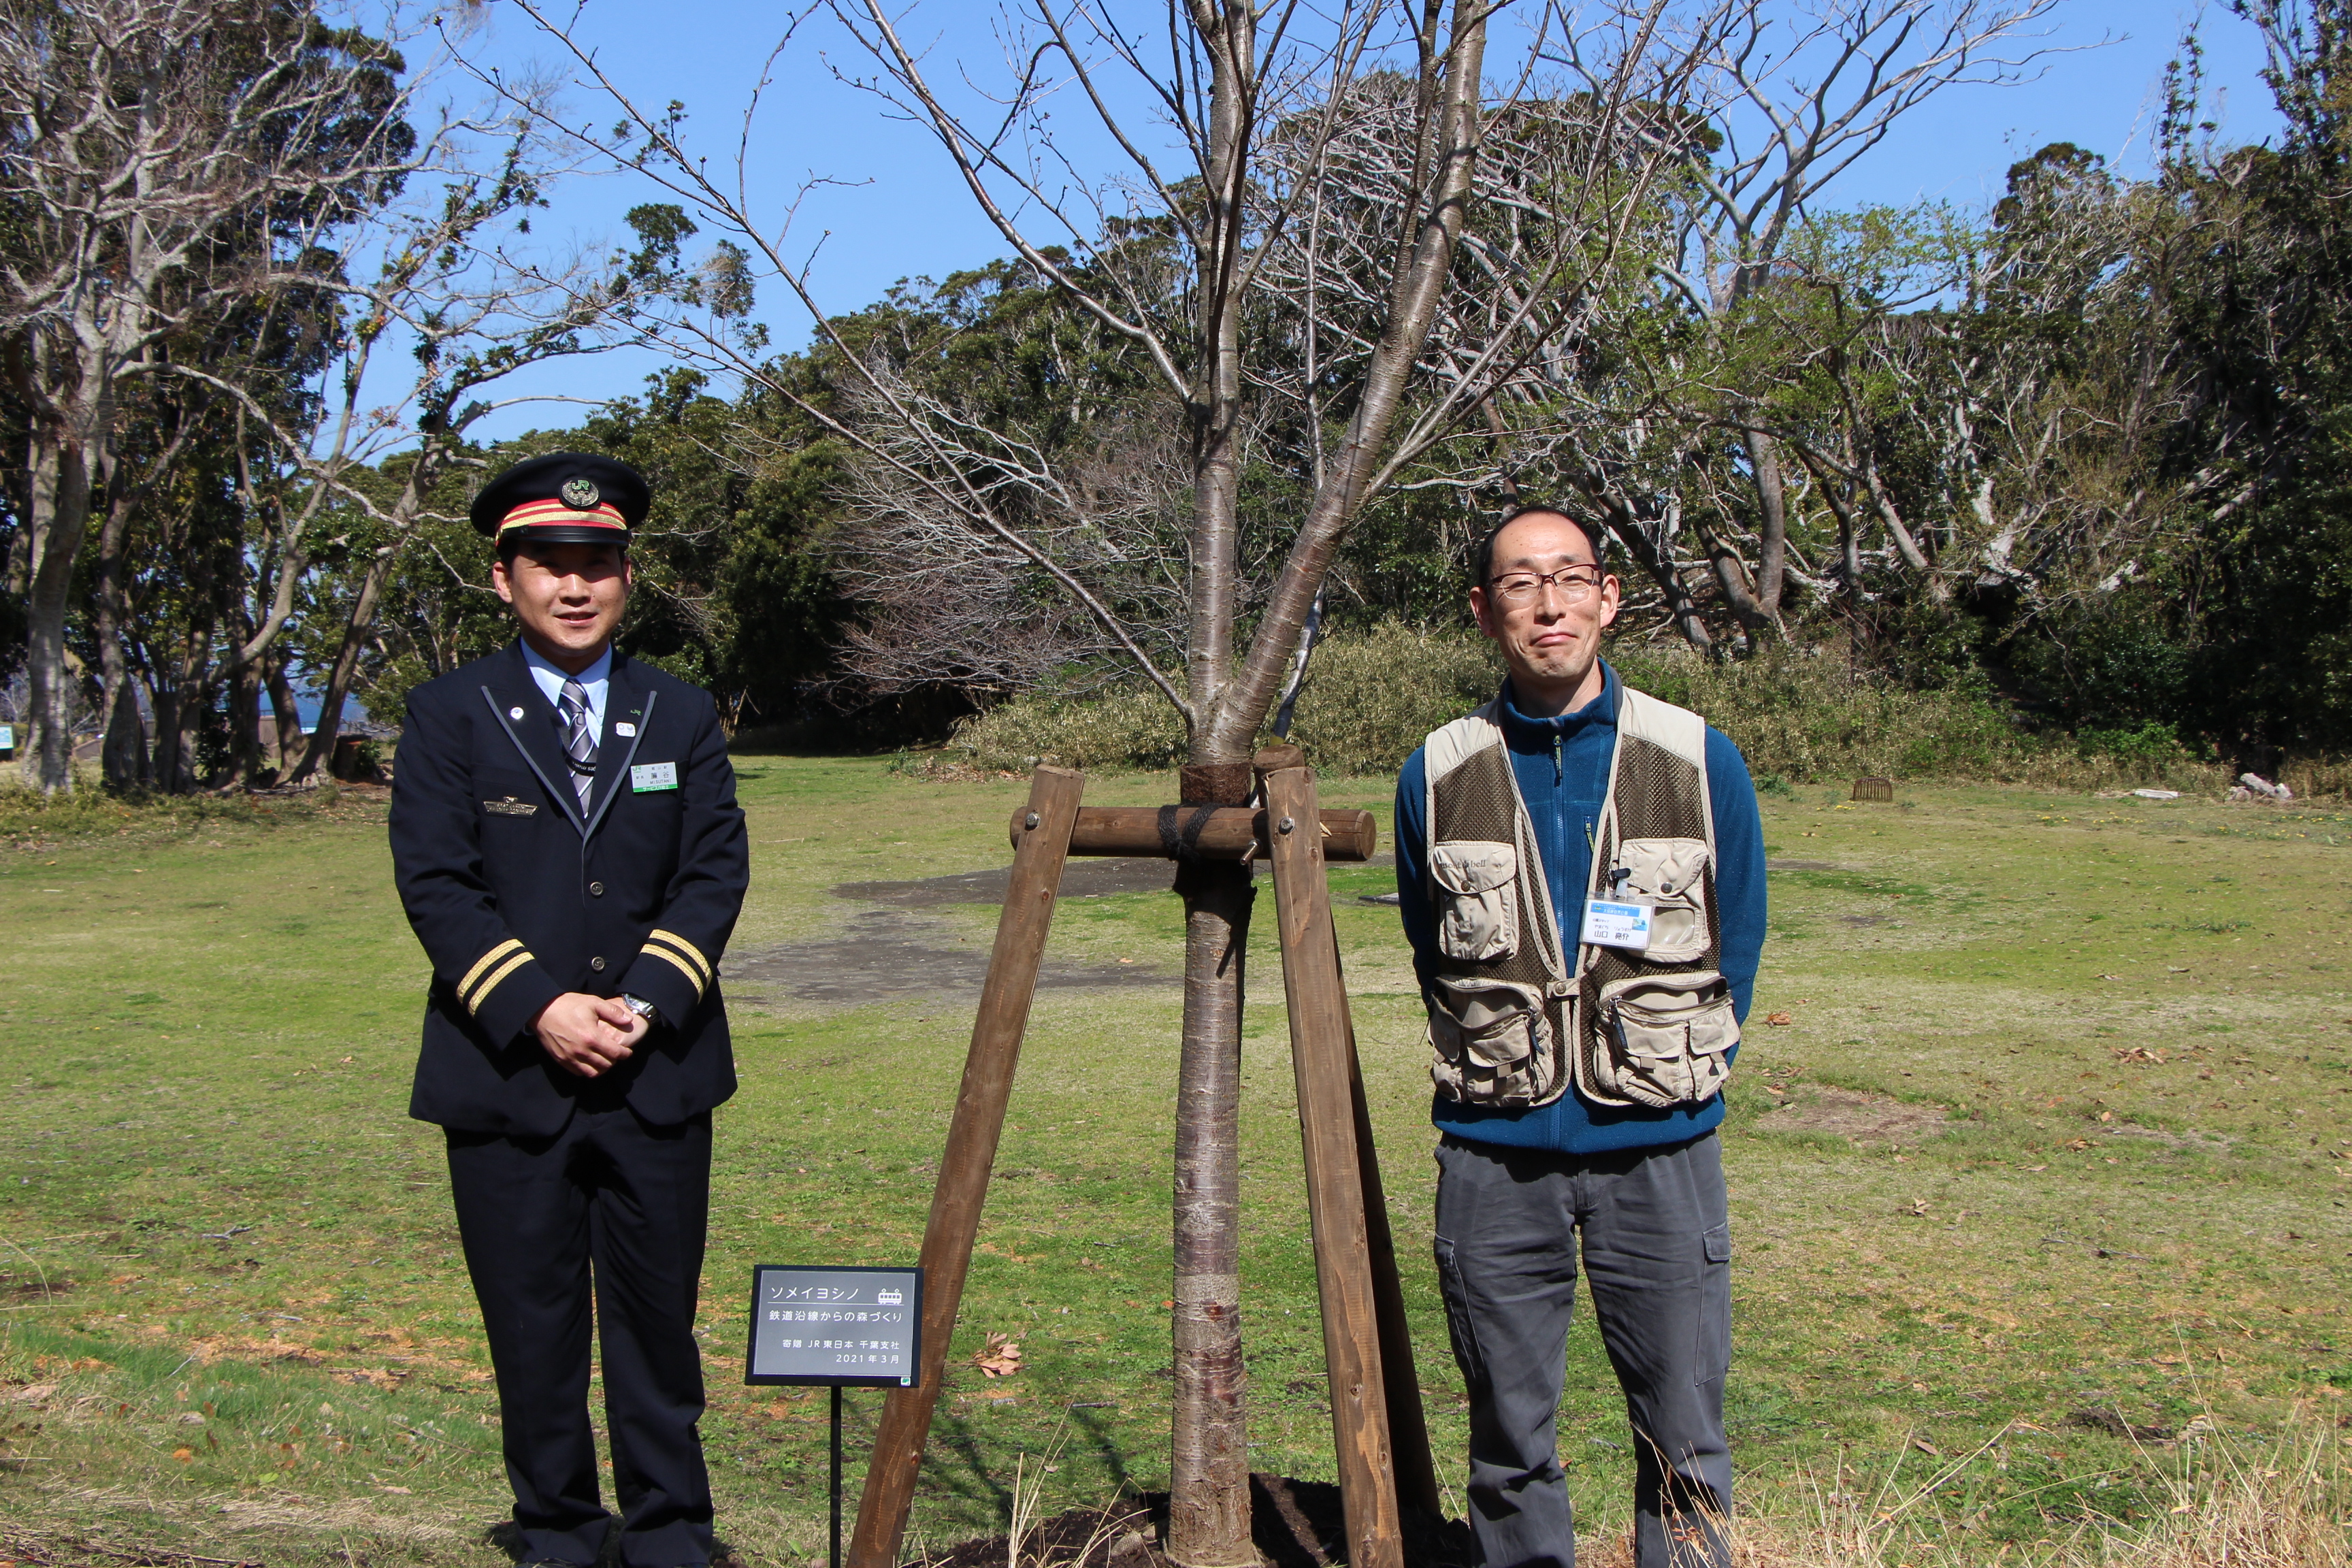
(1228,832)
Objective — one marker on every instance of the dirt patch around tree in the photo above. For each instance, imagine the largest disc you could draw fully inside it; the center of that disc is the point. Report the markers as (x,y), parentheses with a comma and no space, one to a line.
(1293,1525)
(882,955)
(1849,1113)
(895,952)
(1081,879)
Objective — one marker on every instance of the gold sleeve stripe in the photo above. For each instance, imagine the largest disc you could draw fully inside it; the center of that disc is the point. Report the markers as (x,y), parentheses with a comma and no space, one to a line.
(483,964)
(686,950)
(666,956)
(474,1003)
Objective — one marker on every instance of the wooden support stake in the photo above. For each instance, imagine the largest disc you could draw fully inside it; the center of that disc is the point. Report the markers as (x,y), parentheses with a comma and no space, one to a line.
(1335,1183)
(1416,1469)
(1041,842)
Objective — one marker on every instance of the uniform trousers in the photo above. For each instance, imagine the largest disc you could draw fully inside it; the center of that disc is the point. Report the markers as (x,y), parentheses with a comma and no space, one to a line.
(612,1210)
(1656,1240)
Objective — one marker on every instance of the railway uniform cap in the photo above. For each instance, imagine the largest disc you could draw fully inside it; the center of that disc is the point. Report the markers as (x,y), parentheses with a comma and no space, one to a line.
(564,498)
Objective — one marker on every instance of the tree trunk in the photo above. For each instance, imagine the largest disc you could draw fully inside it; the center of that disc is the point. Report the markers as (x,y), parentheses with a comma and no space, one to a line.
(59,518)
(1772,527)
(288,712)
(169,766)
(1209,1503)
(356,628)
(122,763)
(243,728)
(177,759)
(1307,641)
(1209,1507)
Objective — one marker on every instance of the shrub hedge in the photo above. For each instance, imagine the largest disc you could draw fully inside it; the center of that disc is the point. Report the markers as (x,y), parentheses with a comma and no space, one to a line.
(1800,716)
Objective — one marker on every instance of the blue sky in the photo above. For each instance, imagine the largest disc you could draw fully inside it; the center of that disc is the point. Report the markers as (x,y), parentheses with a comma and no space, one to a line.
(900,212)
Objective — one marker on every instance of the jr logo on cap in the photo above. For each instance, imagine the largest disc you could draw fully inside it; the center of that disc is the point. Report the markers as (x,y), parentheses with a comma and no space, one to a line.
(581,493)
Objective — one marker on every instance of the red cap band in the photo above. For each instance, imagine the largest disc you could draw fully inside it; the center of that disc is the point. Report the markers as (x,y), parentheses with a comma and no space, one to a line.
(537,513)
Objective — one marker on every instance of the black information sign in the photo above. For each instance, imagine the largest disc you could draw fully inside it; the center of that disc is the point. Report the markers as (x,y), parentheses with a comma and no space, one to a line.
(857,1328)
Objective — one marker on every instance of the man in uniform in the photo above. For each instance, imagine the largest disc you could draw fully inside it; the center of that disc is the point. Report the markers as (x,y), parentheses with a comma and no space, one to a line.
(1579,1080)
(567,844)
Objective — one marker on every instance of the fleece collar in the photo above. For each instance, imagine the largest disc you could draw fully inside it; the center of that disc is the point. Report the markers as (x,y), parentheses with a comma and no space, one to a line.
(1540,734)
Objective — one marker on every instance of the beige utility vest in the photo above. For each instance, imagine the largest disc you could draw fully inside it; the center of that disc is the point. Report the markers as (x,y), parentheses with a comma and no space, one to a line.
(1511,1021)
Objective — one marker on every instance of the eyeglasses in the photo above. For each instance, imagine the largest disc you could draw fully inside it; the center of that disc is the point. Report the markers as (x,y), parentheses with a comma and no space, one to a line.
(1576,584)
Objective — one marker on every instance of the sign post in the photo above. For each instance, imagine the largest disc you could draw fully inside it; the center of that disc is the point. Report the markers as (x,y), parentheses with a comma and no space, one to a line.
(838,1328)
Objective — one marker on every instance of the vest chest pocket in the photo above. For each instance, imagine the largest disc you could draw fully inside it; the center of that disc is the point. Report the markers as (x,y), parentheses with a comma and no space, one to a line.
(1477,899)
(1670,875)
(1667,1035)
(1493,1041)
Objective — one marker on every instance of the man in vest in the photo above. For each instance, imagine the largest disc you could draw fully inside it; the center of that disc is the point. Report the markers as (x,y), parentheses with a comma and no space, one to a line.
(567,844)
(1582,877)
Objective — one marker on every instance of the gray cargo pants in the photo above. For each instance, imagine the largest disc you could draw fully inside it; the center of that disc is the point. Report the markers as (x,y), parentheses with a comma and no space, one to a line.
(1656,1236)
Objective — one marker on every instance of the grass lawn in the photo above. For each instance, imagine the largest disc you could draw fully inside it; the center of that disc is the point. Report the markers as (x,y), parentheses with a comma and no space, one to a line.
(2047,1138)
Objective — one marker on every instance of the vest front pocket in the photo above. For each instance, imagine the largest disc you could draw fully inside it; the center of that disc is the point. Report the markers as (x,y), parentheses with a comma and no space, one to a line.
(1668,1035)
(1493,1041)
(1477,899)
(1670,875)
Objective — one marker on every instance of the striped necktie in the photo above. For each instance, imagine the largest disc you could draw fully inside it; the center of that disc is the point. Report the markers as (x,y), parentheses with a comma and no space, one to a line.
(579,740)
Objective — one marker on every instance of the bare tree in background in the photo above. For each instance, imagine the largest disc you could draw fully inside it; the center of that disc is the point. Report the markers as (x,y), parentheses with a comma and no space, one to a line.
(1789,96)
(456,292)
(132,133)
(1324,263)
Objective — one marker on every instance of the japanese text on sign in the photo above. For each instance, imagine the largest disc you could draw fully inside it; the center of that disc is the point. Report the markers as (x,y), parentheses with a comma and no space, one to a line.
(835,1325)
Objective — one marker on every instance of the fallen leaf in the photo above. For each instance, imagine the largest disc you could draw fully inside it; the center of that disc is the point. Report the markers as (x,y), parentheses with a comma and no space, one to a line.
(999,1357)
(1918,1207)
(403,1491)
(1774,1089)
(1925,1446)
(183,1455)
(2037,1167)
(2078,1144)
(1779,1019)
(2106,1116)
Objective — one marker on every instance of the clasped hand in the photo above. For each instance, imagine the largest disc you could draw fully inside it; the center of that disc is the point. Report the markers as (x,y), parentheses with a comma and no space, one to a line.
(589,1036)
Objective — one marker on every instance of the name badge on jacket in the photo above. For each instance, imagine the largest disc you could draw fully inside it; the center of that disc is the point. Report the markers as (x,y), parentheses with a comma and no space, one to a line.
(1608,923)
(646,777)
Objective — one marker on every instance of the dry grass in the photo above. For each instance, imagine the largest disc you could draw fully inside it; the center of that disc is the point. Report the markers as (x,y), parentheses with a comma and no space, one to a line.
(2224,1503)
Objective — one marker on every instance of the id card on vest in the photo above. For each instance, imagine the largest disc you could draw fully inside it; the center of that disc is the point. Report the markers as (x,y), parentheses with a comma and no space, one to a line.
(1610,924)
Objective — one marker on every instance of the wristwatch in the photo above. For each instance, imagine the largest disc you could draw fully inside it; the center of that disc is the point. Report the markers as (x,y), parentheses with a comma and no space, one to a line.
(642,1008)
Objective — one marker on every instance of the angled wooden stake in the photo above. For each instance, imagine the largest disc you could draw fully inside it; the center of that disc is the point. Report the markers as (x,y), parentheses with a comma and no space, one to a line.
(1416,1469)
(1320,1055)
(1043,845)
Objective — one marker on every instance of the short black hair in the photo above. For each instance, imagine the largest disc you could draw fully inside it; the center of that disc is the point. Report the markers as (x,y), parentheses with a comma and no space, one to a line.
(1482,561)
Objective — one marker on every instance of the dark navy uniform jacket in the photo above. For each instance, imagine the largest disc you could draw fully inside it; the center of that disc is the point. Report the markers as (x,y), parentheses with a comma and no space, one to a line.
(518,897)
